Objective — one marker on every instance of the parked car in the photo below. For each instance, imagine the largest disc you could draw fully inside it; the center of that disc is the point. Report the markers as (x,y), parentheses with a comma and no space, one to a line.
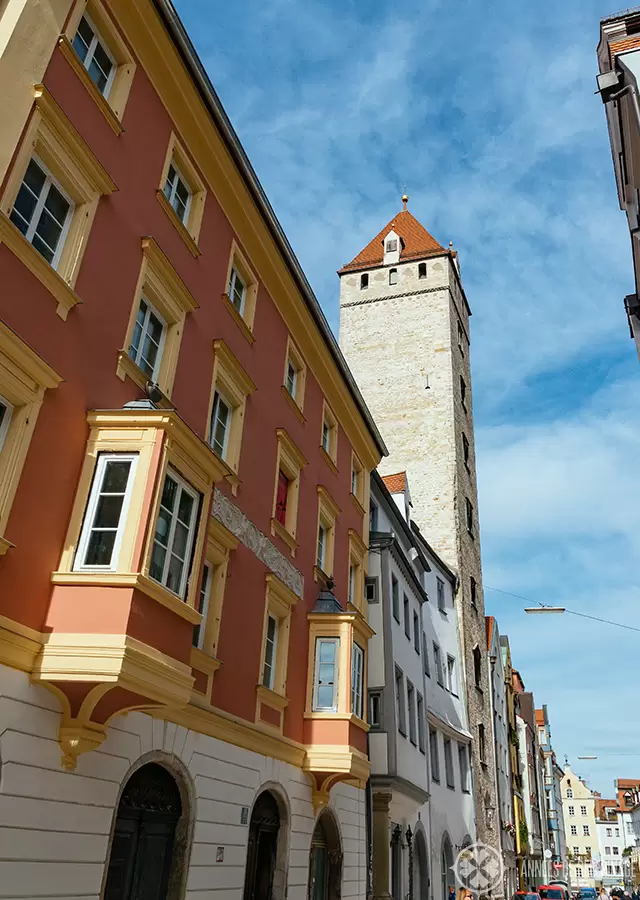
(554,892)
(526,895)
(587,893)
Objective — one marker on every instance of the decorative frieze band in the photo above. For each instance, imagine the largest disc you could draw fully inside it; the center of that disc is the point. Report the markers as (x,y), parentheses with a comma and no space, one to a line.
(431,290)
(243,528)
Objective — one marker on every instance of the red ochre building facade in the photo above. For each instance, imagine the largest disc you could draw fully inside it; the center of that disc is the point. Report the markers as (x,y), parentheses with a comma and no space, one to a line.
(184,471)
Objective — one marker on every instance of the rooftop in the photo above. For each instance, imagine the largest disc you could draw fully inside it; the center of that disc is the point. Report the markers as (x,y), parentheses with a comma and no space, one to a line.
(415,240)
(621,15)
(395,484)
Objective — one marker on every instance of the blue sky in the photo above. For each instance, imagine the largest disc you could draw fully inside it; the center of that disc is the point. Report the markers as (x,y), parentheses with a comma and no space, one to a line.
(487,111)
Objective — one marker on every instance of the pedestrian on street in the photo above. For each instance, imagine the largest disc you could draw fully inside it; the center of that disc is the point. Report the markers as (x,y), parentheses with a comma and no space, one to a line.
(464,894)
(604,894)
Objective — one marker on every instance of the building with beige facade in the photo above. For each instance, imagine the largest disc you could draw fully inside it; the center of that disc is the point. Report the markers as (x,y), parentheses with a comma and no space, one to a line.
(404,329)
(579,809)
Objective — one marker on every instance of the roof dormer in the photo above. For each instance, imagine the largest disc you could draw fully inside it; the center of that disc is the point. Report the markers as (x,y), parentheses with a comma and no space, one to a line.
(392,249)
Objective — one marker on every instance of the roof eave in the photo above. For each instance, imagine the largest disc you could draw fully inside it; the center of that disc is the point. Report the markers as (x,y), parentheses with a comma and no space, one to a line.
(187,51)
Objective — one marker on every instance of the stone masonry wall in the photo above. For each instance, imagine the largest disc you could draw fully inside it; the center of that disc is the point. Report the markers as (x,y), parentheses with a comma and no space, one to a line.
(402,344)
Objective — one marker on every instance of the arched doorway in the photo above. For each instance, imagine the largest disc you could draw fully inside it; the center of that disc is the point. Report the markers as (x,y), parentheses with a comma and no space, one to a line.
(420,868)
(325,861)
(448,880)
(262,848)
(143,840)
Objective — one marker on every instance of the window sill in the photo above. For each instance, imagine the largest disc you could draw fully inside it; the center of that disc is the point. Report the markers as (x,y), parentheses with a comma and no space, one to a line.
(237,318)
(62,292)
(273,698)
(358,504)
(277,528)
(423,751)
(293,404)
(320,575)
(133,580)
(415,743)
(401,732)
(203,661)
(190,243)
(330,462)
(74,61)
(126,368)
(451,787)
(5,545)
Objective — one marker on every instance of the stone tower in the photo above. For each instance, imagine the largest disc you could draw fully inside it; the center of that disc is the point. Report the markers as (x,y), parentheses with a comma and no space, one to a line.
(404,329)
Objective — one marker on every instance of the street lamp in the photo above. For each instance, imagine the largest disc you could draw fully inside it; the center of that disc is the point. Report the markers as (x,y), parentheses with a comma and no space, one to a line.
(545,609)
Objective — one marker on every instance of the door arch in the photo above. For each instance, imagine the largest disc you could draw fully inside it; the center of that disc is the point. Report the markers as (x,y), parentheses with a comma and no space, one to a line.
(325,860)
(262,848)
(142,849)
(446,862)
(420,868)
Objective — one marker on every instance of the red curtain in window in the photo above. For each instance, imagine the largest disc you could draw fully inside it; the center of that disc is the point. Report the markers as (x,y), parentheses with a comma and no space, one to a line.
(281,499)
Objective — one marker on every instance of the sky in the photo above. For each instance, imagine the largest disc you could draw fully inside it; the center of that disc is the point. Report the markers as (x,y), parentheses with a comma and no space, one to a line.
(487,112)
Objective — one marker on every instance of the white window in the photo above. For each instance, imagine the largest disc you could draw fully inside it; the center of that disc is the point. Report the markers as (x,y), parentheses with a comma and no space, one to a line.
(375,710)
(452,681)
(147,340)
(105,515)
(441,601)
(221,415)
(590,872)
(177,192)
(607,851)
(205,594)
(393,276)
(438,661)
(411,707)
(572,810)
(325,689)
(574,829)
(392,245)
(175,531)
(576,851)
(322,546)
(585,830)
(608,834)
(237,293)
(583,810)
(326,436)
(569,793)
(357,661)
(292,378)
(6,411)
(617,832)
(609,870)
(42,211)
(434,755)
(578,872)
(617,870)
(616,851)
(269,667)
(448,763)
(94,55)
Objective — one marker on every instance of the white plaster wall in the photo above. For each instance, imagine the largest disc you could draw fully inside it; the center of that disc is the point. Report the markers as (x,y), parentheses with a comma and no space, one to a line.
(610,859)
(55,825)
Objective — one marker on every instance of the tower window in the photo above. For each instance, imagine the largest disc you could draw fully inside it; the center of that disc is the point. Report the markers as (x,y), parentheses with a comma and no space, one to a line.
(364,281)
(465,450)
(392,245)
(463,393)
(477,666)
(469,516)
(422,270)
(393,276)
(473,586)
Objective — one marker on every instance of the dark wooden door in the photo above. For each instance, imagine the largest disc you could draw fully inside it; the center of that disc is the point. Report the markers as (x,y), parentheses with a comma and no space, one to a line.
(262,849)
(142,847)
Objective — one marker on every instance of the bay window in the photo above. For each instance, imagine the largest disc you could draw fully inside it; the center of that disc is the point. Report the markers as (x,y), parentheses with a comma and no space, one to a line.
(175,531)
(325,690)
(106,511)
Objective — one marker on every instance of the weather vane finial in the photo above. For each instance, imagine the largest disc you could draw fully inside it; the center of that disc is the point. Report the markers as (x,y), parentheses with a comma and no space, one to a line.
(405,197)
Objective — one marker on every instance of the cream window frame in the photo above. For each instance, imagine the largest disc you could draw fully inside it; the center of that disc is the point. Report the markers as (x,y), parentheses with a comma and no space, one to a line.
(331,454)
(24,378)
(279,603)
(235,385)
(158,283)
(113,104)
(357,563)
(52,138)
(357,476)
(328,513)
(98,40)
(294,356)
(290,461)
(220,543)
(190,229)
(245,317)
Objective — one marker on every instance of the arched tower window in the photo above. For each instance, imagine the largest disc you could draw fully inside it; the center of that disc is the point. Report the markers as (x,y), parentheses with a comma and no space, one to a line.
(143,861)
(393,276)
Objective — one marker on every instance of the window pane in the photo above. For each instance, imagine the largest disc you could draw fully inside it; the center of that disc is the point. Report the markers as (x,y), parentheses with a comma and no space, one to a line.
(56,205)
(185,507)
(180,538)
(47,235)
(163,526)
(108,511)
(100,548)
(100,67)
(83,38)
(116,477)
(327,651)
(325,696)
(169,493)
(158,557)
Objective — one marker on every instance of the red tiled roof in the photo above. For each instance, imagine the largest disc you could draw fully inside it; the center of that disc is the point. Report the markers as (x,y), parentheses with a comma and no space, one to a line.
(417,243)
(395,484)
(628,783)
(601,805)
(489,622)
(623,45)
(540,718)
